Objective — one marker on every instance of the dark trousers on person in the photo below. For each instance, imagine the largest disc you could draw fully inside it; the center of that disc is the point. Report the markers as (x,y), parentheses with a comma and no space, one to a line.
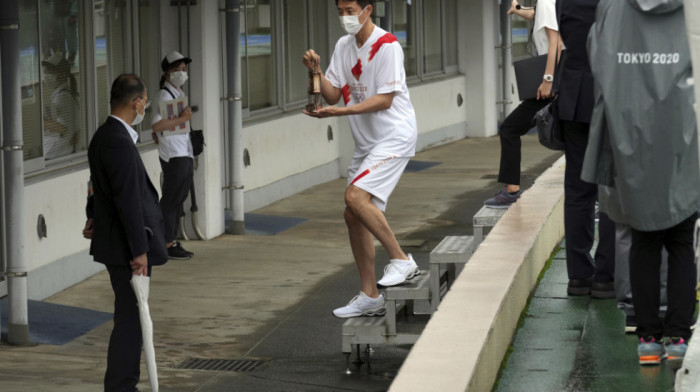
(177,181)
(124,352)
(518,123)
(579,211)
(645,262)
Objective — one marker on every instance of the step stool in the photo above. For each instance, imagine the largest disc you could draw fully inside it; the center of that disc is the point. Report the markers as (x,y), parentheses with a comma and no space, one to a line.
(486,218)
(453,252)
(398,326)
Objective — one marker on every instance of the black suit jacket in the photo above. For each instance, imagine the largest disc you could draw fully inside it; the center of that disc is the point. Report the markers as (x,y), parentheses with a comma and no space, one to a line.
(576,79)
(127,219)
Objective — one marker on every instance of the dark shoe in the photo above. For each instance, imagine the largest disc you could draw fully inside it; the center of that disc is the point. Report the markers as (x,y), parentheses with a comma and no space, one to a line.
(630,324)
(579,286)
(503,199)
(603,290)
(177,252)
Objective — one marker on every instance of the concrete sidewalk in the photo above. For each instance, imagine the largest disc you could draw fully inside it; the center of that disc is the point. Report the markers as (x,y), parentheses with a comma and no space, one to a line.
(269,298)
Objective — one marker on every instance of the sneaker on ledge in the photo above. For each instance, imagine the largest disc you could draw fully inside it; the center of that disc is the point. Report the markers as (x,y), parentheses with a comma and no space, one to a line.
(676,349)
(503,199)
(398,271)
(177,252)
(362,305)
(651,351)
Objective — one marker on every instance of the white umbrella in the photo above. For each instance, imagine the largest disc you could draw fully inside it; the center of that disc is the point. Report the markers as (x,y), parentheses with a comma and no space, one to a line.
(140,284)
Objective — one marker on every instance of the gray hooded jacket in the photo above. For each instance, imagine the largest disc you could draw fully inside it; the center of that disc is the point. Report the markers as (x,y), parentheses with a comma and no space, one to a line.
(643,137)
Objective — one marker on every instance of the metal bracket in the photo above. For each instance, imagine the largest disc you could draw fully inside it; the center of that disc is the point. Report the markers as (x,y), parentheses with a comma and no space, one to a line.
(13,148)
(231,99)
(233,187)
(13,26)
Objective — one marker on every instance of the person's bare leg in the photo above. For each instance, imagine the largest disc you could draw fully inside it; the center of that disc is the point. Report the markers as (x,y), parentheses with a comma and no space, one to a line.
(360,204)
(362,245)
(510,188)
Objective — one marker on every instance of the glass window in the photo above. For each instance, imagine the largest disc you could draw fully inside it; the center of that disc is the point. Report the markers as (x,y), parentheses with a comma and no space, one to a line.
(258,68)
(296,37)
(110,20)
(29,53)
(451,33)
(64,121)
(51,77)
(149,54)
(404,30)
(432,37)
(522,45)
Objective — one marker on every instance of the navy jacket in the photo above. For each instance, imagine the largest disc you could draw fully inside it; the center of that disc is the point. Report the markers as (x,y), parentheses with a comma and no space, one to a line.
(124,206)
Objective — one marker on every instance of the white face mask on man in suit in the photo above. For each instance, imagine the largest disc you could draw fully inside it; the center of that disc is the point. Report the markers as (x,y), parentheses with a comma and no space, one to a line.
(139,116)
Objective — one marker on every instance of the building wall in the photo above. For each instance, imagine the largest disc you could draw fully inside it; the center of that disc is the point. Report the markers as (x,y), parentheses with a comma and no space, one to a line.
(289,152)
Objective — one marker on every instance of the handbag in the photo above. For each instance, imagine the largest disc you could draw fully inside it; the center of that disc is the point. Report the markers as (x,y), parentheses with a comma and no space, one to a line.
(549,130)
(546,120)
(197,139)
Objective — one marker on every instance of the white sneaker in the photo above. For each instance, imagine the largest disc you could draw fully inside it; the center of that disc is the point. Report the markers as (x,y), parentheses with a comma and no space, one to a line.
(399,271)
(362,305)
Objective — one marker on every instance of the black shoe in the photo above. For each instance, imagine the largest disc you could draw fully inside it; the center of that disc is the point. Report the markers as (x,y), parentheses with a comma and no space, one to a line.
(579,286)
(630,324)
(603,290)
(177,252)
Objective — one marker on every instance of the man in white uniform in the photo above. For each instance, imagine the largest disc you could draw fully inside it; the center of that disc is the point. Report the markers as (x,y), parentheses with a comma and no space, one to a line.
(366,70)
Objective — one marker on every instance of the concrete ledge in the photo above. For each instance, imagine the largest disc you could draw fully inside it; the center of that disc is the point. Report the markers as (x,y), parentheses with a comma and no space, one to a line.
(463,345)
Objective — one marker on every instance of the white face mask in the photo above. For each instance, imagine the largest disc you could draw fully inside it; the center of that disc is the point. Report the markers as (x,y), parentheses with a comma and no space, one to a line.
(178,78)
(351,23)
(139,117)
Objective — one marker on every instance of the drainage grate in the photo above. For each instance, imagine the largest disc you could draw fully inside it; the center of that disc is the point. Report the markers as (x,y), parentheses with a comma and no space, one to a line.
(227,365)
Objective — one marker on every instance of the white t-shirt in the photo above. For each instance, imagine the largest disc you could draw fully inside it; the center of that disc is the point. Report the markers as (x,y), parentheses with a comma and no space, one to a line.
(375,68)
(545,16)
(64,110)
(171,146)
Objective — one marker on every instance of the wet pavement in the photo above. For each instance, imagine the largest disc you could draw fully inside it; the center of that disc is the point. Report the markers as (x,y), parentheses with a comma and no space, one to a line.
(269,298)
(576,344)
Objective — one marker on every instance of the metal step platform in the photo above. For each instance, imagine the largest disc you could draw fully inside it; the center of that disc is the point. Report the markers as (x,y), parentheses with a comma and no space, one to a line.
(486,218)
(446,261)
(399,325)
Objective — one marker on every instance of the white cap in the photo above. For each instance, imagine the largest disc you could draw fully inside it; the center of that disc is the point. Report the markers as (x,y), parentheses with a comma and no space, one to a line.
(173,57)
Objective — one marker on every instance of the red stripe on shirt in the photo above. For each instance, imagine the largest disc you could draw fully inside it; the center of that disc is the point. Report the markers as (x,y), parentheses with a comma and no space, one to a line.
(346,94)
(384,39)
(357,69)
(364,173)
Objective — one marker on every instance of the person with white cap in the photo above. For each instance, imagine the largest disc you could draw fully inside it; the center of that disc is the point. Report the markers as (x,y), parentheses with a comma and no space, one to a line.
(175,151)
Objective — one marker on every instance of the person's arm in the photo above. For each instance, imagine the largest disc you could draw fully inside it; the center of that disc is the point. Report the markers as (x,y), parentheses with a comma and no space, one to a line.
(90,212)
(553,53)
(165,123)
(330,93)
(374,103)
(528,14)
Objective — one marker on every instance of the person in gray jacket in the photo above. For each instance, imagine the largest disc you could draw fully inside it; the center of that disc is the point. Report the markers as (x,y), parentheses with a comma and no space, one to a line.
(643,143)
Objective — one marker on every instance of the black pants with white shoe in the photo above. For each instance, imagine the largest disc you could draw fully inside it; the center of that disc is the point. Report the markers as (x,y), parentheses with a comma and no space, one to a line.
(177,180)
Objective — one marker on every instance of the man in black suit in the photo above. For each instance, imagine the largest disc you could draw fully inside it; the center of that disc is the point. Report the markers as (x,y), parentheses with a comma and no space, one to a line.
(125,223)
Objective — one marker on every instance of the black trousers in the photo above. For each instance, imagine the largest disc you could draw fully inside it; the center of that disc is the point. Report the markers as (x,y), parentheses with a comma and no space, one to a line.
(518,122)
(125,343)
(645,262)
(177,181)
(579,210)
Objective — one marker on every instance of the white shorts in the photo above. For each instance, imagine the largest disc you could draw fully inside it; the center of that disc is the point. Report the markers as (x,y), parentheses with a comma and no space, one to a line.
(377,174)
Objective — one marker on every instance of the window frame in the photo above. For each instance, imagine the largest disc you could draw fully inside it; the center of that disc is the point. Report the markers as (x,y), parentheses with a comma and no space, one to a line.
(36,169)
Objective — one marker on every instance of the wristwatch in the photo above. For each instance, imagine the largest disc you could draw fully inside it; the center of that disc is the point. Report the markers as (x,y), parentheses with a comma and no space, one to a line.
(548,78)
